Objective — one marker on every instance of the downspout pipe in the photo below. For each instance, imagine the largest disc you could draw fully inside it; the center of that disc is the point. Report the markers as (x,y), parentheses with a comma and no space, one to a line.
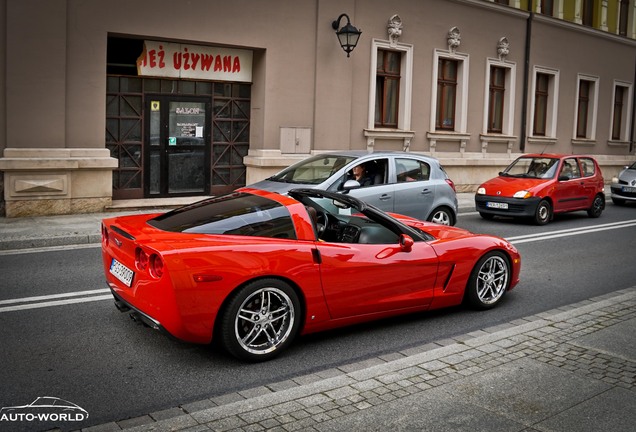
(633,119)
(526,76)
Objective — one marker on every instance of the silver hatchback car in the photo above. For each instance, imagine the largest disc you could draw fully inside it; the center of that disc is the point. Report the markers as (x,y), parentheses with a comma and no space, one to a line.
(405,183)
(624,185)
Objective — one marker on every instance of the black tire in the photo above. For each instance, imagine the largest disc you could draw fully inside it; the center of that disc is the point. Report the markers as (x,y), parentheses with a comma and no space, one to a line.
(489,281)
(486,216)
(442,216)
(618,201)
(260,320)
(543,213)
(597,207)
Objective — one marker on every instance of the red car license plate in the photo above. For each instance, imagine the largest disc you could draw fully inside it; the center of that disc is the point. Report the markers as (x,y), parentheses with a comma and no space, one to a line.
(121,272)
(497,205)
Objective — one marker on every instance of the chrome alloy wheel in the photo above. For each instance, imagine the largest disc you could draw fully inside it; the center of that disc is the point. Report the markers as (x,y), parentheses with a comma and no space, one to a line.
(492,279)
(441,217)
(264,321)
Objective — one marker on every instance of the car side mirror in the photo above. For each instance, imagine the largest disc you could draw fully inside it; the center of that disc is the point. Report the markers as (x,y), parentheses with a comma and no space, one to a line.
(563,178)
(350,184)
(406,242)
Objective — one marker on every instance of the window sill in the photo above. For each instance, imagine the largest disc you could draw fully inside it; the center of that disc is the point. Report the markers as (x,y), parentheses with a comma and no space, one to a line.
(583,142)
(450,137)
(545,141)
(388,134)
(616,143)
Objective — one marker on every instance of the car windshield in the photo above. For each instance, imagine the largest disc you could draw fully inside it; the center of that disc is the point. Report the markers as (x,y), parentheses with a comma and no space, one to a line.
(314,170)
(234,214)
(532,167)
(632,166)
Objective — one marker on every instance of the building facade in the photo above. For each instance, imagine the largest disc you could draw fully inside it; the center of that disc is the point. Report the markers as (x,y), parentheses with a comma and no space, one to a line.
(115,99)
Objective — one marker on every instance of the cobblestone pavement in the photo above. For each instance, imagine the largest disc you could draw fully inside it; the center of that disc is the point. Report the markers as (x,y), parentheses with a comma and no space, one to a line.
(569,369)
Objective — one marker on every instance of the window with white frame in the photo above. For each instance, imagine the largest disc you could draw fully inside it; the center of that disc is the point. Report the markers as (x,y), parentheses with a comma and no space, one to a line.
(545,88)
(391,84)
(621,111)
(586,107)
(449,99)
(499,98)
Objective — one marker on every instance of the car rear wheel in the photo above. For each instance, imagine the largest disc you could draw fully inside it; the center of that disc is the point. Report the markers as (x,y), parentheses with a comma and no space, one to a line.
(543,213)
(488,281)
(597,207)
(442,216)
(260,320)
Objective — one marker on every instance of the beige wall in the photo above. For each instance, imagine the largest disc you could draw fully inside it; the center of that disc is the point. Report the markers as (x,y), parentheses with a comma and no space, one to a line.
(54,71)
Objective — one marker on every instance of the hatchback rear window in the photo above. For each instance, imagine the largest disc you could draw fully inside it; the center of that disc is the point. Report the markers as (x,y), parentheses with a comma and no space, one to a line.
(234,214)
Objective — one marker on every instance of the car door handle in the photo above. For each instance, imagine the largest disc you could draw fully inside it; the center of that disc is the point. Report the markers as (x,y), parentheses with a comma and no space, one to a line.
(425,192)
(385,197)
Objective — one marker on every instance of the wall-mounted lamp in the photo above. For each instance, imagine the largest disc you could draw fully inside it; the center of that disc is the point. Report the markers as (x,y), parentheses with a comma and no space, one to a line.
(348,35)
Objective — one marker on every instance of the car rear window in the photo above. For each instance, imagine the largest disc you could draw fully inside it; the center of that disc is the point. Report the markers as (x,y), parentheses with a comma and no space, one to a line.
(234,214)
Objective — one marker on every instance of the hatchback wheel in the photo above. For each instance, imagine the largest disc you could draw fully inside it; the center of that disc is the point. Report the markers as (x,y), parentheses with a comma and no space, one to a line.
(597,207)
(488,281)
(442,216)
(260,320)
(543,214)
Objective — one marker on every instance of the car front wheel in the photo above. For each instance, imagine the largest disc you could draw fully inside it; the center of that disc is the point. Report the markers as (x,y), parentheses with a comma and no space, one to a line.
(597,207)
(260,320)
(618,201)
(543,214)
(488,281)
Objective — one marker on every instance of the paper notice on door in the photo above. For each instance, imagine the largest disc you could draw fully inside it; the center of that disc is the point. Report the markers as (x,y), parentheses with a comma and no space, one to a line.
(199,132)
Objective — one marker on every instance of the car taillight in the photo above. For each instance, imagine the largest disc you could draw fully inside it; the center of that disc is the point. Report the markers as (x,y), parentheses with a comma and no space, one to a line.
(451,184)
(141,259)
(156,266)
(104,235)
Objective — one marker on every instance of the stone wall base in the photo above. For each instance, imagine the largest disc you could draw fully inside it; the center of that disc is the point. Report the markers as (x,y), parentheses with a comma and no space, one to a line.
(41,182)
(48,207)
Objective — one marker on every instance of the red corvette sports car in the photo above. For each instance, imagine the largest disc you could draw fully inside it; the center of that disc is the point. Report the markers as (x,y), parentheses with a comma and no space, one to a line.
(253,269)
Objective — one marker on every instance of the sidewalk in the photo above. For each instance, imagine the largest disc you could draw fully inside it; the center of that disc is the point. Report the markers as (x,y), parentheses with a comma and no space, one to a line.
(572,369)
(82,229)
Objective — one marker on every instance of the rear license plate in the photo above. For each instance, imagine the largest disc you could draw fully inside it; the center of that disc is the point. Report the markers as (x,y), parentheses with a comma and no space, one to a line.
(121,272)
(497,205)
(629,189)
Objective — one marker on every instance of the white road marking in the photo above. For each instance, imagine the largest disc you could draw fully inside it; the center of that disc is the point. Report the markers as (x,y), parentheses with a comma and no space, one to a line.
(50,249)
(570,232)
(55,303)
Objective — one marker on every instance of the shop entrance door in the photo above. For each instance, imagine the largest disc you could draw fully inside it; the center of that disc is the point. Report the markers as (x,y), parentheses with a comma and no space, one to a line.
(177,156)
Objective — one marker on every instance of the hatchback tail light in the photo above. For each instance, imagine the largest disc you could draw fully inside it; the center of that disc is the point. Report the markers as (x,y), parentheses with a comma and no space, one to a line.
(451,184)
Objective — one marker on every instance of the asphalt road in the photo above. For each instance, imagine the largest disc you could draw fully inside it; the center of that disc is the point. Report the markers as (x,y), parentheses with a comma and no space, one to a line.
(94,356)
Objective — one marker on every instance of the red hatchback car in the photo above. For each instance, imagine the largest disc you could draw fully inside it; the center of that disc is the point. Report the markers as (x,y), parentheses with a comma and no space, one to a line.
(538,186)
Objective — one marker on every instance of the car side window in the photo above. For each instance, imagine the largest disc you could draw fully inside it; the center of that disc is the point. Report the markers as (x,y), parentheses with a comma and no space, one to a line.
(374,173)
(570,169)
(408,170)
(587,167)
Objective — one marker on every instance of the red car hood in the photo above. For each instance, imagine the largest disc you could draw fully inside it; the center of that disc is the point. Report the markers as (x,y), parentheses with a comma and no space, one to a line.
(508,186)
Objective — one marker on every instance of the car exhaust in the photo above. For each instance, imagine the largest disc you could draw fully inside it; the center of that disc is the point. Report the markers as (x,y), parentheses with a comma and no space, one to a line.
(121,307)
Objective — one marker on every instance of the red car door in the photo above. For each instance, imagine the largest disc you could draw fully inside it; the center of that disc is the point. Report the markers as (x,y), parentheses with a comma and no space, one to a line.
(359,279)
(569,192)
